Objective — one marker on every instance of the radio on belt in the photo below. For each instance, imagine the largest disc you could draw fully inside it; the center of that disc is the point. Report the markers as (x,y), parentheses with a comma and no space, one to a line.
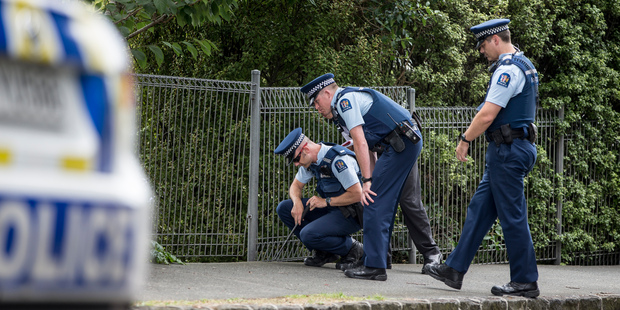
(406,129)
(74,200)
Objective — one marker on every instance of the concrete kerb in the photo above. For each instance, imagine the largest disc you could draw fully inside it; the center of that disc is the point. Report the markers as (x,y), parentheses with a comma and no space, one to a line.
(586,302)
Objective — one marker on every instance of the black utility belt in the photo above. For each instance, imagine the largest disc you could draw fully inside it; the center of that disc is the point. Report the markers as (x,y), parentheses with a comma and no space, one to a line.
(394,138)
(506,135)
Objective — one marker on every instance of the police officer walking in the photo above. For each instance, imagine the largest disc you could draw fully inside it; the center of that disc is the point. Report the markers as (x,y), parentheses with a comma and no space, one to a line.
(506,117)
(375,123)
(333,215)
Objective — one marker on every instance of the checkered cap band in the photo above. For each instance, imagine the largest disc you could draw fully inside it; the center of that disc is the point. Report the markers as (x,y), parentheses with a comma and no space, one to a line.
(320,86)
(295,145)
(491,31)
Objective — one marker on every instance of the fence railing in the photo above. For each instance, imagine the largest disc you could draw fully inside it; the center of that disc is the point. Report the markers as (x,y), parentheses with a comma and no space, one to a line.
(207,147)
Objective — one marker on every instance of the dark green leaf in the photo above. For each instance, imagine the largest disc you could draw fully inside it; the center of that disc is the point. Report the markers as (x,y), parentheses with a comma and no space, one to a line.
(191,49)
(172,6)
(205,45)
(159,55)
(150,10)
(182,18)
(175,47)
(143,15)
(161,6)
(139,56)
(225,13)
(124,31)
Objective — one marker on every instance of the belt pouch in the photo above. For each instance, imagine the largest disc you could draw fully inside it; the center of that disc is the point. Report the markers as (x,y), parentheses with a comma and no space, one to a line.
(506,133)
(395,141)
(496,136)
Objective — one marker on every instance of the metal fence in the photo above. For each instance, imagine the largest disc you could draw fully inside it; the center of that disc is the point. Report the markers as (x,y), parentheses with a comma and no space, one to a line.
(207,147)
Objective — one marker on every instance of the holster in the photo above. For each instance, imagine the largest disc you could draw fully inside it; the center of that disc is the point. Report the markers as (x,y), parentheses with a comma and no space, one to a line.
(506,133)
(533,133)
(496,136)
(355,210)
(378,148)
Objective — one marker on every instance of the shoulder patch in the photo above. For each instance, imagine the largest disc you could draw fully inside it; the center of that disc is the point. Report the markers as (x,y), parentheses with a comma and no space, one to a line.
(504,79)
(340,165)
(345,105)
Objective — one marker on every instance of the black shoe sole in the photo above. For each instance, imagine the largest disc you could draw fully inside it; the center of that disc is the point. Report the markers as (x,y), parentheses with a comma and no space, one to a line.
(453,284)
(528,294)
(378,277)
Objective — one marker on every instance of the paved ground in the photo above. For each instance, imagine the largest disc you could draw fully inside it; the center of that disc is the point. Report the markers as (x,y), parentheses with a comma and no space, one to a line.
(251,280)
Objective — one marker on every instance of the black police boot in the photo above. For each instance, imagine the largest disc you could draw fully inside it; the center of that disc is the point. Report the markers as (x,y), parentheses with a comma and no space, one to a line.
(353,265)
(320,258)
(388,260)
(517,289)
(355,254)
(446,274)
(431,260)
(367,273)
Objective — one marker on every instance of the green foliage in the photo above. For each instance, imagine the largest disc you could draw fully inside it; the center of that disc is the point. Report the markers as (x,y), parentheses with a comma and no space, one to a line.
(427,45)
(160,256)
(137,21)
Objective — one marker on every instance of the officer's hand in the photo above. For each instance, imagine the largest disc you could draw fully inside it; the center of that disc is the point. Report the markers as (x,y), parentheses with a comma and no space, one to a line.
(461,151)
(316,202)
(296,212)
(367,193)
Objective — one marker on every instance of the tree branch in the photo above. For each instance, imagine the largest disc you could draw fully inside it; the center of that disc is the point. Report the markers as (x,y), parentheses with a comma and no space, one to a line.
(159,20)
(128,16)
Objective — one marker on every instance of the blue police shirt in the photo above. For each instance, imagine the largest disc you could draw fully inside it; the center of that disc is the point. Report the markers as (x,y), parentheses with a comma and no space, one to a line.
(507,82)
(345,169)
(352,107)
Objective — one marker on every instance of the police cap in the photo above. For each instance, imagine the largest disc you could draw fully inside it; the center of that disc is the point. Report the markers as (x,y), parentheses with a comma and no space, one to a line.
(288,146)
(489,28)
(313,88)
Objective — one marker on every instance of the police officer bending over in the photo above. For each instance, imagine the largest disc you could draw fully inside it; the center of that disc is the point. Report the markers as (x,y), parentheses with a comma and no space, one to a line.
(506,117)
(333,215)
(375,123)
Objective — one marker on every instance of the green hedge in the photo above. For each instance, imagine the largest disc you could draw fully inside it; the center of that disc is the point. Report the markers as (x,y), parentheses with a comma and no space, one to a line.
(574,44)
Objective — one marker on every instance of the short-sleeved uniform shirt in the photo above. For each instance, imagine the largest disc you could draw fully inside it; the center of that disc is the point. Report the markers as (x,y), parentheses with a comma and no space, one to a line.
(507,81)
(345,169)
(352,107)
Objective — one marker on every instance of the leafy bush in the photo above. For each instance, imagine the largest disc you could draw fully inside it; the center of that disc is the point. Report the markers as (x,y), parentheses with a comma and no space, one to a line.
(575,46)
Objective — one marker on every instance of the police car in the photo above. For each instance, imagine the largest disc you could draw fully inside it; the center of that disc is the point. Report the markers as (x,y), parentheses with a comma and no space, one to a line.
(74,206)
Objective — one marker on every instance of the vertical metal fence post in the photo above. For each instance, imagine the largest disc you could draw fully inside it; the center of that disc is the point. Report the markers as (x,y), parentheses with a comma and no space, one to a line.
(254,162)
(413,252)
(559,161)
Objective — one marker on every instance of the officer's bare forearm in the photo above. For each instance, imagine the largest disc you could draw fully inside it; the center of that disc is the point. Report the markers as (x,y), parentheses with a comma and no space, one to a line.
(295,191)
(351,196)
(361,151)
(482,120)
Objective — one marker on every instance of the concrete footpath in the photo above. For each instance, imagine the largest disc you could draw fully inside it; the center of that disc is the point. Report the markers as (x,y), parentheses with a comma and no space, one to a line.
(260,285)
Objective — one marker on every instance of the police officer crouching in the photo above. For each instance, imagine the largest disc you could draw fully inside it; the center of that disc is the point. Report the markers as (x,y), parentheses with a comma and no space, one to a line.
(336,213)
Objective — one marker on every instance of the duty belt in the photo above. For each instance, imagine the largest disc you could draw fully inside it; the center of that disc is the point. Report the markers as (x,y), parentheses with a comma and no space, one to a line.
(506,135)
(394,138)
